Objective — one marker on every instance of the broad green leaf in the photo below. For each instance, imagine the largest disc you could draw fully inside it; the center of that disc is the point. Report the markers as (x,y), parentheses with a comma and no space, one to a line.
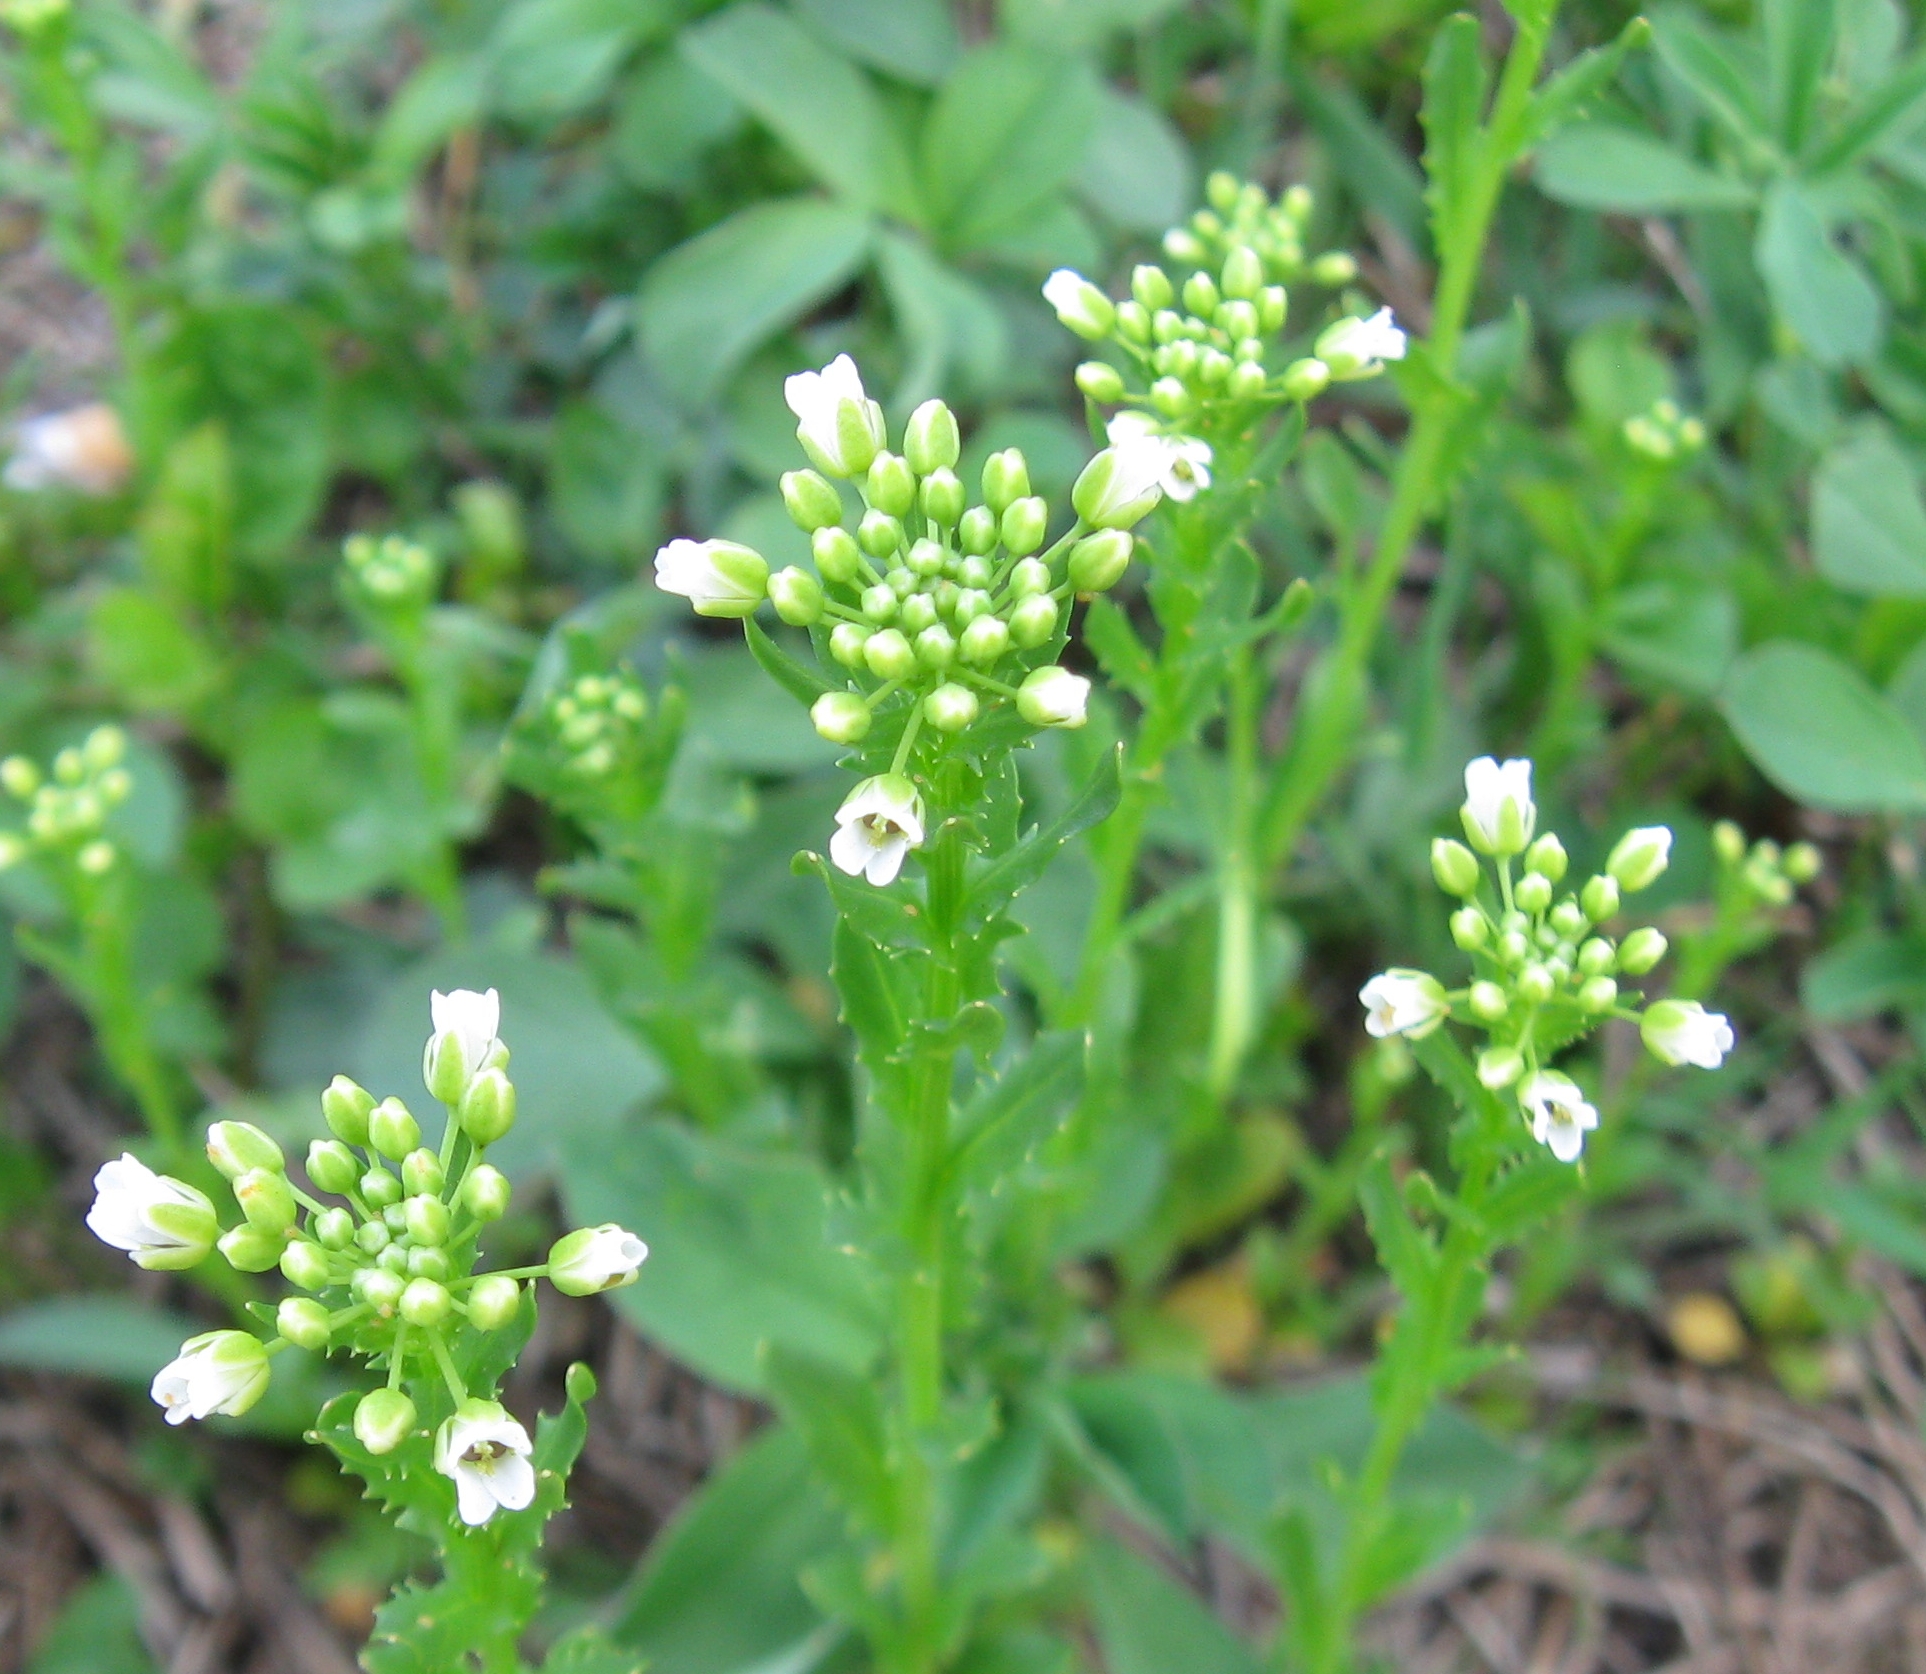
(957,334)
(1079,24)
(1799,43)
(1720,72)
(1821,293)
(1868,522)
(670,115)
(913,40)
(441,95)
(708,302)
(813,99)
(1675,633)
(138,646)
(839,1414)
(1148,1624)
(1010,126)
(741,1252)
(717,1592)
(96,1336)
(1455,81)
(1137,173)
(606,484)
(1864,975)
(1820,733)
(1597,166)
(96,1632)
(547,59)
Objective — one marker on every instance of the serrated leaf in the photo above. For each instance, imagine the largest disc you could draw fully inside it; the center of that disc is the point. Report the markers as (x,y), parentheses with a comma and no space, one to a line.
(1004,877)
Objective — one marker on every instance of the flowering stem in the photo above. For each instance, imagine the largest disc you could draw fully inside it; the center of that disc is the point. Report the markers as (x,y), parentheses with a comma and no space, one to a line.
(908,740)
(1234,1012)
(446,1362)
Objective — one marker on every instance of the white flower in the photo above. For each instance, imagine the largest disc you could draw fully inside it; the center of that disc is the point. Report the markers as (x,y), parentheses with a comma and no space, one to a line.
(1400,1002)
(718,578)
(220,1371)
(1123,484)
(1054,697)
(1560,1117)
(1079,304)
(877,825)
(595,1259)
(1359,348)
(84,449)
(1187,460)
(840,428)
(1684,1032)
(464,1038)
(485,1453)
(1640,856)
(1499,814)
(161,1222)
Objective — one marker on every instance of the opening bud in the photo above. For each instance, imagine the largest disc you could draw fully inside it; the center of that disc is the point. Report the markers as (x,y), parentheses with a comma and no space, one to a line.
(251,1249)
(1641,951)
(1053,697)
(1640,857)
(1006,480)
(485,1193)
(488,1107)
(596,1259)
(1033,621)
(931,441)
(950,708)
(942,495)
(718,578)
(393,1130)
(1024,524)
(811,501)
(493,1302)
(837,556)
(1599,898)
(304,1323)
(332,1167)
(238,1148)
(797,596)
(266,1199)
(306,1265)
(1098,561)
(383,1420)
(1102,382)
(1455,868)
(1079,304)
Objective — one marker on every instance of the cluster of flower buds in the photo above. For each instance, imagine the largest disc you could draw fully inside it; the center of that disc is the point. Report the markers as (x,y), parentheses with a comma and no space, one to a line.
(67,808)
(596,725)
(1546,969)
(1664,434)
(1205,343)
(388,1271)
(389,576)
(925,603)
(1761,874)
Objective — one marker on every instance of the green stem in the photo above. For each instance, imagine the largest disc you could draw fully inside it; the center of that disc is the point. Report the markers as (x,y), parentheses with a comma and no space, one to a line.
(1234,1017)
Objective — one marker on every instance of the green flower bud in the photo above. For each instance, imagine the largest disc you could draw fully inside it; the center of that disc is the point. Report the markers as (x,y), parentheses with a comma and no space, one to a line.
(1249,380)
(1213,366)
(1513,948)
(1033,621)
(977,532)
(334,1228)
(950,708)
(837,556)
(1488,1002)
(379,1288)
(20,777)
(890,656)
(395,1219)
(1599,898)
(1238,321)
(1641,951)
(392,1128)
(427,1219)
(306,1265)
(1171,397)
(488,1107)
(811,501)
(880,602)
(1133,322)
(797,596)
(1470,929)
(1097,562)
(936,648)
(1568,919)
(1273,309)
(380,1188)
(426,1261)
(902,581)
(1802,863)
(1025,522)
(1598,994)
(1079,304)
(919,612)
(1535,985)
(931,441)
(1305,380)
(421,1171)
(251,1249)
(383,1420)
(879,534)
(238,1148)
(373,1237)
(1006,480)
(1455,867)
(1201,295)
(494,1302)
(1546,858)
(846,642)
(1639,857)
(1102,382)
(595,1259)
(840,717)
(984,641)
(266,1199)
(891,485)
(975,572)
(1243,274)
(942,496)
(1499,1066)
(1533,892)
(425,1303)
(485,1193)
(1152,289)
(332,1167)
(1728,842)
(1597,957)
(304,1323)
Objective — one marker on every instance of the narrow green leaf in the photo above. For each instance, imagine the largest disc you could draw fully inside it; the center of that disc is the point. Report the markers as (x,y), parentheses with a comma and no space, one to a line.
(1455,84)
(1889,110)
(839,1415)
(794,676)
(1799,42)
(1407,1254)
(1017,1111)
(1005,876)
(1568,96)
(1597,166)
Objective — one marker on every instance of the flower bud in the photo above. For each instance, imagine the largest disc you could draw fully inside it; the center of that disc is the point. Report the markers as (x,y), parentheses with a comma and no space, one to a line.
(1151,288)
(427,1219)
(332,1167)
(1054,697)
(1599,993)
(919,612)
(428,1261)
(1006,480)
(1243,274)
(1488,1002)
(879,602)
(1641,951)
(1102,382)
(931,441)
(1097,562)
(1248,380)
(1238,321)
(485,1193)
(1305,380)
(1133,322)
(984,641)
(1470,929)
(1201,295)
(1033,621)
(383,1420)
(237,1148)
(1599,898)
(891,485)
(846,642)
(426,1303)
(304,1323)
(421,1171)
(373,1237)
(1454,867)
(380,1188)
(96,858)
(1334,269)
(1728,842)
(1535,985)
(306,1265)
(879,534)
(1802,863)
(1512,948)
(1568,919)
(840,717)
(487,1109)
(1533,892)
(889,655)
(595,1259)
(811,501)
(392,1129)
(942,496)
(1079,304)
(1639,857)
(20,778)
(1597,957)
(950,708)
(1546,858)
(333,1228)
(1024,524)
(379,1288)
(1171,397)
(972,599)
(935,648)
(494,1302)
(1499,1066)
(719,578)
(797,596)
(251,1249)
(266,1199)
(976,533)
(837,556)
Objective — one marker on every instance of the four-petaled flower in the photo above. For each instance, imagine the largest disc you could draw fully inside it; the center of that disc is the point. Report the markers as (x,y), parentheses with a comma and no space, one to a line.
(840,428)
(163,1223)
(486,1455)
(876,827)
(718,578)
(1499,814)
(219,1371)
(1186,459)
(1560,1117)
(1684,1032)
(1356,348)
(466,1024)
(1403,1002)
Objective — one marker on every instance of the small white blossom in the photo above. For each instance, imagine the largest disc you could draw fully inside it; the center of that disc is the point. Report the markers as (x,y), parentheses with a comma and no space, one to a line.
(1054,697)
(1402,1002)
(1684,1032)
(84,449)
(1359,348)
(840,428)
(1560,1117)
(486,1455)
(718,578)
(1499,814)
(1122,485)
(876,827)
(1187,459)
(1080,305)
(465,1029)
(161,1222)
(595,1259)
(218,1372)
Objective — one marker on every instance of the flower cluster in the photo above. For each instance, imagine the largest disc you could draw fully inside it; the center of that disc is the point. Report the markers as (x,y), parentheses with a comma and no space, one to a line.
(1205,345)
(390,576)
(387,1271)
(1663,433)
(67,809)
(1762,874)
(597,725)
(1546,969)
(924,608)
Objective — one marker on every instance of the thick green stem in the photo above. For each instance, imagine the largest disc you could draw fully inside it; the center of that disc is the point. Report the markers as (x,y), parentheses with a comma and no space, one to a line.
(1234,1018)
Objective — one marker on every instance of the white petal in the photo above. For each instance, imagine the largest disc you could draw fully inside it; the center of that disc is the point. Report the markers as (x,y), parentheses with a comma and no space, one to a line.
(473,1496)
(512,1482)
(850,848)
(886,860)
(1566,1141)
